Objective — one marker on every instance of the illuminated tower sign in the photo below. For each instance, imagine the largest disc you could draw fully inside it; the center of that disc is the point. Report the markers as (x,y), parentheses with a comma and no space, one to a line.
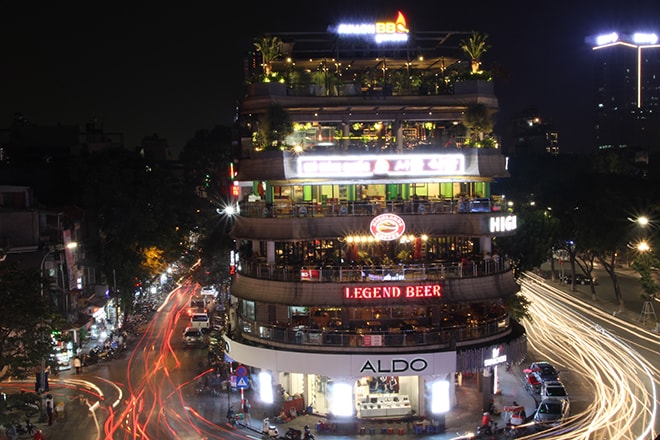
(381,31)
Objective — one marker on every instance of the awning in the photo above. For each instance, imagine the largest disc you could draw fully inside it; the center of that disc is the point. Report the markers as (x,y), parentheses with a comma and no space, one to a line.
(95,300)
(82,321)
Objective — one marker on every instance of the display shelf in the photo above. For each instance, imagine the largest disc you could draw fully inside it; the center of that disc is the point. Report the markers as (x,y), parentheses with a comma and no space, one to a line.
(384,405)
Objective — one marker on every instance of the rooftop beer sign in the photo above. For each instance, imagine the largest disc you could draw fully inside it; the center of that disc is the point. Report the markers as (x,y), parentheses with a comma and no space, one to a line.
(381,31)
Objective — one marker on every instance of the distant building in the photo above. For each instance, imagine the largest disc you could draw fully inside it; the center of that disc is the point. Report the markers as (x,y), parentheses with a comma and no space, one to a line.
(154,149)
(532,135)
(627,94)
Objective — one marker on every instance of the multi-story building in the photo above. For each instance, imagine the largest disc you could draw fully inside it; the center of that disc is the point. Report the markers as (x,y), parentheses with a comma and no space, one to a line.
(533,135)
(627,79)
(367,275)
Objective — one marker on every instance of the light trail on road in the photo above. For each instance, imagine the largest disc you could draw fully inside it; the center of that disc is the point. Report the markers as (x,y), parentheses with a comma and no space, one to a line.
(603,351)
(155,405)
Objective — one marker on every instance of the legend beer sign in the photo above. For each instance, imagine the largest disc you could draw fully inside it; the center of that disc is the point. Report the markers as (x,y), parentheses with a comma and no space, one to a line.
(378,292)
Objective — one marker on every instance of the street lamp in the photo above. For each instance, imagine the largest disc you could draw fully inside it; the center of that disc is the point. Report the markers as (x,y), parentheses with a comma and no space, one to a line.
(639,41)
(51,250)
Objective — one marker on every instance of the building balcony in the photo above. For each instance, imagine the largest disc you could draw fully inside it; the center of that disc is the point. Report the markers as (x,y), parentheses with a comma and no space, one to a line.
(399,337)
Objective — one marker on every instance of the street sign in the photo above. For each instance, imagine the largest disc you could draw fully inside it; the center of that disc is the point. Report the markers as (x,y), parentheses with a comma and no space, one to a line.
(241,371)
(242,383)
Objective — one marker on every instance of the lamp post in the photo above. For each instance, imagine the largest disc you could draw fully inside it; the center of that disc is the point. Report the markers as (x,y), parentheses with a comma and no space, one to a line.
(643,263)
(51,250)
(638,41)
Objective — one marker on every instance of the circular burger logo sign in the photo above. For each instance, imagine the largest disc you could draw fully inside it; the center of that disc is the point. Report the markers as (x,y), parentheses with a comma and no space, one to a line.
(387,227)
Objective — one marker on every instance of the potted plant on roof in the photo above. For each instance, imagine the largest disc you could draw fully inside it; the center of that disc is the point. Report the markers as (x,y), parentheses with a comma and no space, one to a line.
(269,48)
(477,80)
(475,47)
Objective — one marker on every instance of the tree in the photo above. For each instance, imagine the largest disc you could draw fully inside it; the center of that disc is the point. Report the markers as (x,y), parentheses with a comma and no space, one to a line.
(269,46)
(138,209)
(27,323)
(475,47)
(478,119)
(537,230)
(274,127)
(643,263)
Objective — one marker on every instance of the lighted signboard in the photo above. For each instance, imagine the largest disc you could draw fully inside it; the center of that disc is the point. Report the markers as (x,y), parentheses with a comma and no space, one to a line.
(387,227)
(638,38)
(381,31)
(379,291)
(372,166)
(503,224)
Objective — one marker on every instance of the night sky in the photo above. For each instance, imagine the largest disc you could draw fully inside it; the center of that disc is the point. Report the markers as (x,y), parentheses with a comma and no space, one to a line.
(172,70)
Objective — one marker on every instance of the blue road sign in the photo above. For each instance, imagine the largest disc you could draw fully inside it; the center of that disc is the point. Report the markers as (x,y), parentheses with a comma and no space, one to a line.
(242,383)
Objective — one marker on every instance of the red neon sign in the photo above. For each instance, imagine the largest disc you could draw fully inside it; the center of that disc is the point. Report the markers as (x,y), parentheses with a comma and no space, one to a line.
(379,291)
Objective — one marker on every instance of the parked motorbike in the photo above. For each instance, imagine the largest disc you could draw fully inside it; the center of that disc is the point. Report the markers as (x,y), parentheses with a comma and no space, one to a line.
(231,416)
(270,430)
(99,354)
(20,429)
(487,431)
(293,434)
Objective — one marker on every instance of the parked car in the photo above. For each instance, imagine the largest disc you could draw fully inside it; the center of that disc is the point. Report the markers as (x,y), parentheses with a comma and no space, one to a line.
(553,389)
(544,371)
(193,337)
(580,279)
(208,290)
(552,412)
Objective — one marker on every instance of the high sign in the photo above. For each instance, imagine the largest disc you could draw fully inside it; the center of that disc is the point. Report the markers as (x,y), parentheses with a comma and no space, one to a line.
(504,223)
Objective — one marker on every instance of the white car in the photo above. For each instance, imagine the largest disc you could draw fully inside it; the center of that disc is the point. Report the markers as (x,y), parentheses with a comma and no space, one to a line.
(209,290)
(552,412)
(193,337)
(200,321)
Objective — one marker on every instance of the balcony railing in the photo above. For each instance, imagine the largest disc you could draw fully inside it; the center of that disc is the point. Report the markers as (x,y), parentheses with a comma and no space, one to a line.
(288,208)
(435,335)
(403,272)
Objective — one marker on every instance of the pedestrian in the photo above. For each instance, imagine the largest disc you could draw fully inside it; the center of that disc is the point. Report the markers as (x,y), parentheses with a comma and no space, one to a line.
(77,364)
(59,410)
(246,413)
(49,411)
(38,435)
(12,434)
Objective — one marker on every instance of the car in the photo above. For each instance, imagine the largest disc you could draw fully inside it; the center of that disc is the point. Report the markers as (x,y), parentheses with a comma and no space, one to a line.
(580,279)
(553,389)
(197,305)
(193,337)
(200,321)
(209,290)
(551,412)
(544,371)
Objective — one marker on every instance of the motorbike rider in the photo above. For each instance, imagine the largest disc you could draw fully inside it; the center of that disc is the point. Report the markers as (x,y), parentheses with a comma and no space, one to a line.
(308,433)
(231,416)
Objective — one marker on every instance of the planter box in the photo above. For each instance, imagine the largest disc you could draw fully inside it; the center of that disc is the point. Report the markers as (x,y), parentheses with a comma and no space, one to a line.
(265,89)
(478,86)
